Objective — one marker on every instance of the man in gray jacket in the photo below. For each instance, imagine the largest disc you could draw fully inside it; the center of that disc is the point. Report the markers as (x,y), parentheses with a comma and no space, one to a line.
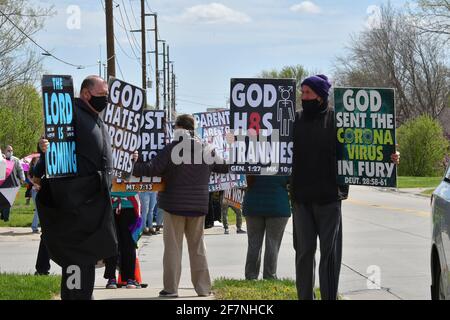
(185,165)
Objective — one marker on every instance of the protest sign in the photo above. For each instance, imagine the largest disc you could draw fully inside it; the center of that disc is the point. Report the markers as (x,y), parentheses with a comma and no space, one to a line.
(212,128)
(234,197)
(2,168)
(124,118)
(170,128)
(365,128)
(262,120)
(151,140)
(57,95)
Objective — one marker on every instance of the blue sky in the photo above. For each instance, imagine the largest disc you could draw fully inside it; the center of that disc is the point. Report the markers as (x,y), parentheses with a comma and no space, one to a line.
(210,41)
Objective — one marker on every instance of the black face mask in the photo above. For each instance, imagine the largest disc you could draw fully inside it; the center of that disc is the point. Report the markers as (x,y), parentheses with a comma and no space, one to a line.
(313,107)
(98,103)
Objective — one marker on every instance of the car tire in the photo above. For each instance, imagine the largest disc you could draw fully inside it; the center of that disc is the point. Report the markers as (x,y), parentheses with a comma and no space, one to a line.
(437,290)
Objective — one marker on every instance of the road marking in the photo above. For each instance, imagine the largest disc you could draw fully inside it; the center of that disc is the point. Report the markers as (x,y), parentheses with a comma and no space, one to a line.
(378,206)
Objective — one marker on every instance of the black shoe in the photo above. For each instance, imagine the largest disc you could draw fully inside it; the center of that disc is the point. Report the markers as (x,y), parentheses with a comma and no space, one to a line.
(241,231)
(165,294)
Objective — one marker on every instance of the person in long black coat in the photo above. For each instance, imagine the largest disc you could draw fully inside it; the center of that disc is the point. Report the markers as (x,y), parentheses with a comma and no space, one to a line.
(76,213)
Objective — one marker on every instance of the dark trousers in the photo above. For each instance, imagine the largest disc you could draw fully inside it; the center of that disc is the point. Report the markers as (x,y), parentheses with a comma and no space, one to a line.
(127,248)
(43,259)
(77,282)
(323,221)
(273,229)
(5,214)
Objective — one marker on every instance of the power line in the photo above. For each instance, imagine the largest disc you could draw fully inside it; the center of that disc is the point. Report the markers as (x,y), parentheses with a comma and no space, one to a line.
(126,32)
(199,103)
(129,23)
(46,52)
(136,58)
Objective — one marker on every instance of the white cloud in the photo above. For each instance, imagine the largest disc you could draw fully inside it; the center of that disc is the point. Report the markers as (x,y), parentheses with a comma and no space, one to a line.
(306,7)
(213,13)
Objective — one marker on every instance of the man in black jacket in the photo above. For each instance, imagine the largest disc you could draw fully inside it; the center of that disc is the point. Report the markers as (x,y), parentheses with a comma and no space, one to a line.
(185,166)
(316,195)
(76,213)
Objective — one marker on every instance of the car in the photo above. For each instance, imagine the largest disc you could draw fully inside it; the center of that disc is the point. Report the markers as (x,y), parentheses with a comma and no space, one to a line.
(440,248)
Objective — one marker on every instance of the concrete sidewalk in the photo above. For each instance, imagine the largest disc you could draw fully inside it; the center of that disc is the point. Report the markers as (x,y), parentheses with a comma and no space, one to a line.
(151,276)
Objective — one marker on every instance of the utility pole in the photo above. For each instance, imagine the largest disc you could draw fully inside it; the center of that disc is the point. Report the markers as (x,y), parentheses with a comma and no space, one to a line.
(164,78)
(156,52)
(173,93)
(168,83)
(110,53)
(144,51)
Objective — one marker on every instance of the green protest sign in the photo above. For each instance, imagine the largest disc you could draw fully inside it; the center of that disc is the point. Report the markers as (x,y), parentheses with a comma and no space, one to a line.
(365,136)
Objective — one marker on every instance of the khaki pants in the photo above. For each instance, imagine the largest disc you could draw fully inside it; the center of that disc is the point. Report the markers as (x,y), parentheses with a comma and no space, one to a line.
(174,229)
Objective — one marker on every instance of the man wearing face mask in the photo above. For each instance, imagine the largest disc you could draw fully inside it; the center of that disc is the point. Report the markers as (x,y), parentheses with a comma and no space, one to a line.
(316,195)
(76,213)
(18,178)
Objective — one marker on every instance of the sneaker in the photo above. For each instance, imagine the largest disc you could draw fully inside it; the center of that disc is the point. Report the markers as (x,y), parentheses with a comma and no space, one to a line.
(112,284)
(241,231)
(226,231)
(165,294)
(36,231)
(133,284)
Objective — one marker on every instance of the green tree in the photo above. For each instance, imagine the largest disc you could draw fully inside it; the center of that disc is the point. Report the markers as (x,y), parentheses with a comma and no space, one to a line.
(19,62)
(297,72)
(21,119)
(423,147)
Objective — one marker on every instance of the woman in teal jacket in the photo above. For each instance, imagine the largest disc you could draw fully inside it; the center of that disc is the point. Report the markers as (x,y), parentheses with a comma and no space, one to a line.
(266,209)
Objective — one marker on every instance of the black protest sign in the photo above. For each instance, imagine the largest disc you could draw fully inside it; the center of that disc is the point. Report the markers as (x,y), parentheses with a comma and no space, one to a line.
(365,141)
(152,140)
(170,128)
(262,120)
(124,118)
(57,94)
(212,129)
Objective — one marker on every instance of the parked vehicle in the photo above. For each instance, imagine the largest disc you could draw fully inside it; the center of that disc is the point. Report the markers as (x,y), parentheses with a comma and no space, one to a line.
(440,248)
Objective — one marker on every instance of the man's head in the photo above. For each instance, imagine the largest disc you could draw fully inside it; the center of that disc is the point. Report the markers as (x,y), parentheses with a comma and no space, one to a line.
(315,94)
(316,87)
(94,91)
(185,121)
(9,152)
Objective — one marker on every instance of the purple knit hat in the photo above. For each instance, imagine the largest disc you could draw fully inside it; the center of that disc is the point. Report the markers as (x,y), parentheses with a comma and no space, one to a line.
(319,84)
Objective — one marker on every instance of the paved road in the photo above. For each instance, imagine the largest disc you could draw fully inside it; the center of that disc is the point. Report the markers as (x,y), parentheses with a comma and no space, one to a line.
(385,233)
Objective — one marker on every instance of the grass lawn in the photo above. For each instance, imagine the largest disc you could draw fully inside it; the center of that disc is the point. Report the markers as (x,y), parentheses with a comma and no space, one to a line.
(418,182)
(428,192)
(232,217)
(28,287)
(231,289)
(21,214)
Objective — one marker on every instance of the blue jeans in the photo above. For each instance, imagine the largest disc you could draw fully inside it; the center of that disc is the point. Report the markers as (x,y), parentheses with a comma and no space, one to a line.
(35,223)
(159,215)
(148,204)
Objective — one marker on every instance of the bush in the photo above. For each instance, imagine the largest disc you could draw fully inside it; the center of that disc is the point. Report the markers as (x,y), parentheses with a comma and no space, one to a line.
(423,147)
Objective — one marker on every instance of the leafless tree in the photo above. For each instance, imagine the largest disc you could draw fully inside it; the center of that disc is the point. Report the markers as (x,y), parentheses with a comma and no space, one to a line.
(433,16)
(398,55)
